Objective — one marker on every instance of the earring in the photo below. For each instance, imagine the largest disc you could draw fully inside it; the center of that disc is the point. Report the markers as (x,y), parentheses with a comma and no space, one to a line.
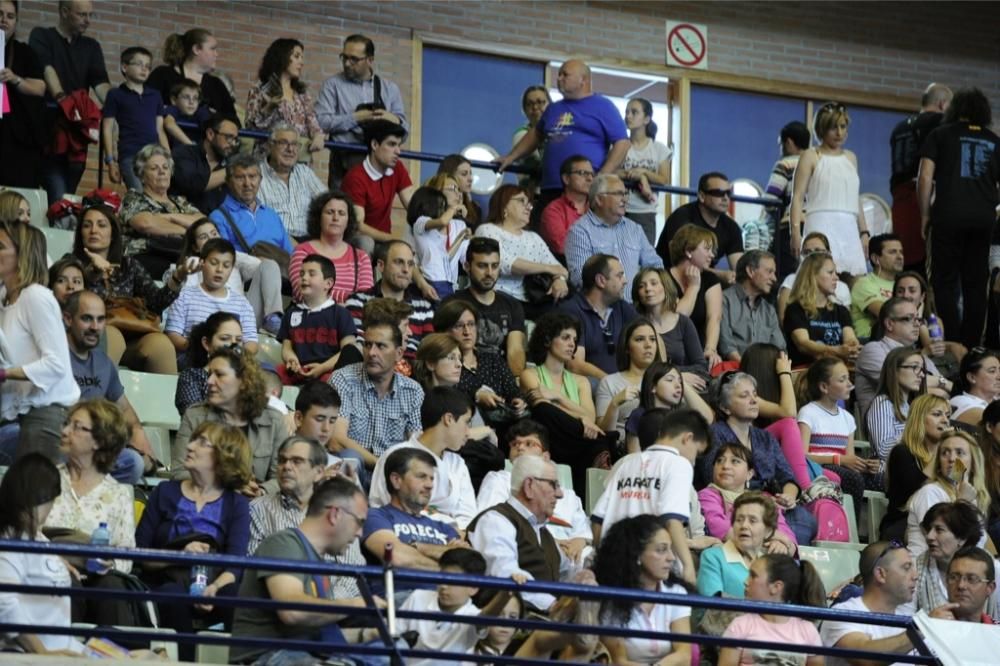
(638,562)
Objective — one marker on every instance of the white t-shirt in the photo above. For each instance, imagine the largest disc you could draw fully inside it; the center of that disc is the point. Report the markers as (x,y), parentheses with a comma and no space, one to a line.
(657,481)
(437,635)
(964,402)
(832,631)
(434,248)
(841,294)
(647,650)
(569,520)
(453,500)
(32,609)
(830,432)
(607,389)
(920,503)
(648,157)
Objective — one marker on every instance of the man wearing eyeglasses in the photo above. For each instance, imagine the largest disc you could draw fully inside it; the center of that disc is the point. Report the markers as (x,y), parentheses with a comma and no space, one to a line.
(286,185)
(353,98)
(971,582)
(200,168)
(900,328)
(577,174)
(889,579)
(885,252)
(710,211)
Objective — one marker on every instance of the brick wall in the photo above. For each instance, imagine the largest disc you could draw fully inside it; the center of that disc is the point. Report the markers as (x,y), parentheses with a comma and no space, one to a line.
(877,47)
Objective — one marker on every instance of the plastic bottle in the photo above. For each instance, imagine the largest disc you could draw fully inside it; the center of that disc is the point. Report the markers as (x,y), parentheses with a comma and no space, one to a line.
(199,580)
(934,329)
(100,537)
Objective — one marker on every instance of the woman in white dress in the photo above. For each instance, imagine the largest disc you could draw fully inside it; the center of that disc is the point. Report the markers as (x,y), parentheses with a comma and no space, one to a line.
(826,192)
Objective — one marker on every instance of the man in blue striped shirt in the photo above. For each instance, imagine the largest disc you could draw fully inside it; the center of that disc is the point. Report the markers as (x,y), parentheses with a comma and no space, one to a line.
(604,229)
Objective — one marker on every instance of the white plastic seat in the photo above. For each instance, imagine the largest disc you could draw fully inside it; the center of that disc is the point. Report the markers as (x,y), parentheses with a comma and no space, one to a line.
(57,242)
(38,201)
(596,480)
(152,396)
(834,565)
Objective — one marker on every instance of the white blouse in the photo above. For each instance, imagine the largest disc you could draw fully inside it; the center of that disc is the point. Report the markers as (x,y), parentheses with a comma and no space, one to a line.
(527,245)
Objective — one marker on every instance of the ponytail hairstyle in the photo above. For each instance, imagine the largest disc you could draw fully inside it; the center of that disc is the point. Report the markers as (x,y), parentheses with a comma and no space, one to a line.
(647,110)
(178,48)
(802,584)
(818,373)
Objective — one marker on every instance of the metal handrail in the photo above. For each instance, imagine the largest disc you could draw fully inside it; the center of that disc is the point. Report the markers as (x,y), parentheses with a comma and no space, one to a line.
(361,573)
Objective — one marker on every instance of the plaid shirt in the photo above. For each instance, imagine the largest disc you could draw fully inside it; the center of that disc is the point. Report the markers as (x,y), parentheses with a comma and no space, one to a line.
(378,423)
(291,201)
(277,511)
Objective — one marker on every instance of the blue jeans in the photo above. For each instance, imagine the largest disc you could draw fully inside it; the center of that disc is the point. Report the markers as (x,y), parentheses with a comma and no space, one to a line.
(128,467)
(60,176)
(131,180)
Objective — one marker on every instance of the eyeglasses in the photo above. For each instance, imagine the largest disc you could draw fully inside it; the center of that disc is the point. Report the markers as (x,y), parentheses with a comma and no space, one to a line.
(915,368)
(583,173)
(284,144)
(360,521)
(893,545)
(621,194)
(910,319)
(968,579)
(552,482)
(297,461)
(229,138)
(354,60)
(77,426)
(523,201)
(716,192)
(464,326)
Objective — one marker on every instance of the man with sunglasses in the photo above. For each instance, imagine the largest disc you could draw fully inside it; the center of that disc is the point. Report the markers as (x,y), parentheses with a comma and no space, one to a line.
(900,327)
(889,579)
(353,98)
(971,582)
(710,211)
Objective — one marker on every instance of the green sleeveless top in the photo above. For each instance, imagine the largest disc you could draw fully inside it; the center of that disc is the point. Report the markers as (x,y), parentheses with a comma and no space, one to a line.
(569,388)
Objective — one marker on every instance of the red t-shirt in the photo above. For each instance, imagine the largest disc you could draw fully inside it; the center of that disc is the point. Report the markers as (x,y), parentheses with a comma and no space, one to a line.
(376,196)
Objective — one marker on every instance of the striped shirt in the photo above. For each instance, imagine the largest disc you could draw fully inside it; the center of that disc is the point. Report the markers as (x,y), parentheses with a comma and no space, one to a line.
(194,305)
(829,432)
(291,201)
(625,240)
(378,423)
(273,513)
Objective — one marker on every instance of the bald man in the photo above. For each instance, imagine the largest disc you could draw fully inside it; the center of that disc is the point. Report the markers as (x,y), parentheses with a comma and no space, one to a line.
(581,123)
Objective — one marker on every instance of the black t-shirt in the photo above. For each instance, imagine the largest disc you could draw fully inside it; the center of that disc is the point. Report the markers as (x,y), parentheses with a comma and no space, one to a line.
(826,328)
(727,232)
(79,64)
(966,172)
(905,142)
(191,175)
(214,94)
(699,314)
(496,320)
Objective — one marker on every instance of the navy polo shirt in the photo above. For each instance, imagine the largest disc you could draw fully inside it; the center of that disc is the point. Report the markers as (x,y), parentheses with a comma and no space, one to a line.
(598,339)
(136,116)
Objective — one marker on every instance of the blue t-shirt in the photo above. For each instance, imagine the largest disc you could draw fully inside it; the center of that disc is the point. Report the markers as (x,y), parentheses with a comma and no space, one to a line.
(585,127)
(193,133)
(599,339)
(409,529)
(136,116)
(316,334)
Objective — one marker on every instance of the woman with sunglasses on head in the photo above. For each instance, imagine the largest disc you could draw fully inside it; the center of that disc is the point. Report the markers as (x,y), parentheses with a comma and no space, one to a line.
(957,475)
(826,193)
(814,242)
(979,380)
(911,462)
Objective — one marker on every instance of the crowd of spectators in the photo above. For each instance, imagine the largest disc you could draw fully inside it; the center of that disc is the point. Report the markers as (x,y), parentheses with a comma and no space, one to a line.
(460,374)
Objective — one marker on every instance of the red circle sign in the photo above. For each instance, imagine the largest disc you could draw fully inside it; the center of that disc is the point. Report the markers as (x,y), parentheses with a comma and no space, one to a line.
(686,44)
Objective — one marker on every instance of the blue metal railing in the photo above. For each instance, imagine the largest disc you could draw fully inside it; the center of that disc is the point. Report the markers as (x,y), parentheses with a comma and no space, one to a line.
(392,650)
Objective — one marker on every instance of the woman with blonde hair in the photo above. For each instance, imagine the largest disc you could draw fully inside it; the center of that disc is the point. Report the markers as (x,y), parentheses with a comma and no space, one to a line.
(14,207)
(815,324)
(826,193)
(36,381)
(957,475)
(691,252)
(911,461)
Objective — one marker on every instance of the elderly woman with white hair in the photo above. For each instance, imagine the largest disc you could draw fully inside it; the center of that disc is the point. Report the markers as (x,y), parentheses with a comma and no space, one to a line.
(737,407)
(155,220)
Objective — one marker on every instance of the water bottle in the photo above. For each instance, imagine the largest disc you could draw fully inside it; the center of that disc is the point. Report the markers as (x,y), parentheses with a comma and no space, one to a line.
(934,329)
(100,537)
(199,580)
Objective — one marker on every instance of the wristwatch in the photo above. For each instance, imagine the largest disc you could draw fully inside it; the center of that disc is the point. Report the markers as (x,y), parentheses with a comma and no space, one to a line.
(110,159)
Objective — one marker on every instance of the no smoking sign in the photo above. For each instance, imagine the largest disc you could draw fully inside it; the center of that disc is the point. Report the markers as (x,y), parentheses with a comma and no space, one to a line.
(687,45)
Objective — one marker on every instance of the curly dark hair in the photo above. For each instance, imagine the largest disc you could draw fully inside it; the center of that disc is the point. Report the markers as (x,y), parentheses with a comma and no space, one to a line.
(197,354)
(617,562)
(30,482)
(252,398)
(314,218)
(970,105)
(108,428)
(547,329)
(276,59)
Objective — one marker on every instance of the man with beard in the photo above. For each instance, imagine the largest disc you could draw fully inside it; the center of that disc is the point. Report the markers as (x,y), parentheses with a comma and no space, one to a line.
(85,319)
(200,168)
(747,316)
(501,317)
